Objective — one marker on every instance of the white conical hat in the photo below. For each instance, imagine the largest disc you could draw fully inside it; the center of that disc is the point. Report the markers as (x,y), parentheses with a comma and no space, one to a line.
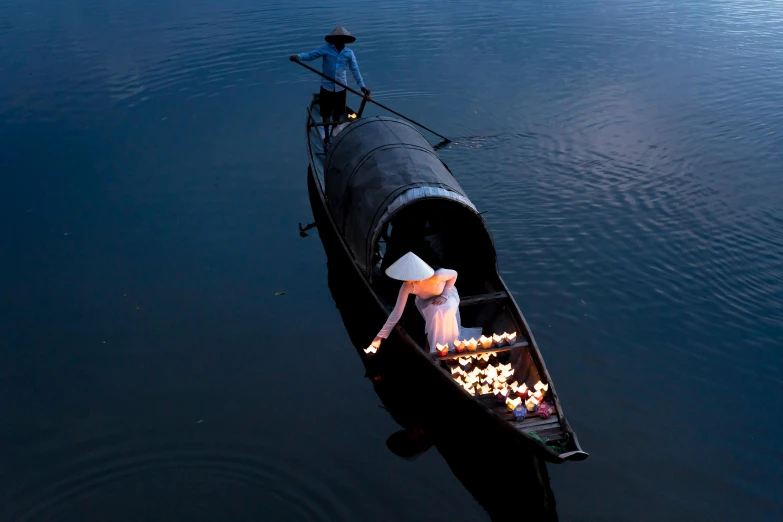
(410,267)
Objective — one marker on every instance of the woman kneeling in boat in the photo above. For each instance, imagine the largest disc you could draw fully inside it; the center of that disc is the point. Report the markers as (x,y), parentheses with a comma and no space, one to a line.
(436,298)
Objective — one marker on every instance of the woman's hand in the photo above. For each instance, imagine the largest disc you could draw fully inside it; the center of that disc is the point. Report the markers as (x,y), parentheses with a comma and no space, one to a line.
(437,301)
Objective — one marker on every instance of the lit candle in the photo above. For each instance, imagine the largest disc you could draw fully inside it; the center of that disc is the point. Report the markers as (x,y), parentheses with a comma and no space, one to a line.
(511,338)
(486,342)
(472,345)
(513,403)
(459,346)
(499,340)
(442,349)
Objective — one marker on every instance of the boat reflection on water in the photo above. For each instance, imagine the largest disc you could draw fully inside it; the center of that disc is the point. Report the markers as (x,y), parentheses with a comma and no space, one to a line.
(508,483)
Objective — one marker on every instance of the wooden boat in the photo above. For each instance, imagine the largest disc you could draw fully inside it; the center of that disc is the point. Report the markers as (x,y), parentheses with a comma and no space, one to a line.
(380,191)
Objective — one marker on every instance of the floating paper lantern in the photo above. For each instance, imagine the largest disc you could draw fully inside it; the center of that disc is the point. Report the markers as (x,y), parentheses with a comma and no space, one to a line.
(472,344)
(442,349)
(499,340)
(511,338)
(485,342)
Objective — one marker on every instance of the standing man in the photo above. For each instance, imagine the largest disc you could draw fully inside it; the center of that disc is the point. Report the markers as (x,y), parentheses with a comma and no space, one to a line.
(336,58)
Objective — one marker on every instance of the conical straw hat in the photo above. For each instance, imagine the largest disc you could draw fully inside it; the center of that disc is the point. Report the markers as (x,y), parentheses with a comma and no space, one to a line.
(341,33)
(410,267)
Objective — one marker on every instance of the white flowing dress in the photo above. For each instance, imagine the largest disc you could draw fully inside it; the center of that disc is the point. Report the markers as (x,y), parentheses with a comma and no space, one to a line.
(442,321)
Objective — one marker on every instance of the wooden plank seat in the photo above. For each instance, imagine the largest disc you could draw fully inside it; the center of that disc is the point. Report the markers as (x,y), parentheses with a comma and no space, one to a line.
(483,298)
(495,349)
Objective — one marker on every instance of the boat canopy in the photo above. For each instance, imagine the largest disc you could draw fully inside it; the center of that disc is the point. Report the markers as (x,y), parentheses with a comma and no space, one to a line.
(376,167)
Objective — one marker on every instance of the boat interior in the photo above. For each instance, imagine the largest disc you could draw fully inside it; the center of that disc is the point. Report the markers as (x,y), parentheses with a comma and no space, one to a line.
(448,234)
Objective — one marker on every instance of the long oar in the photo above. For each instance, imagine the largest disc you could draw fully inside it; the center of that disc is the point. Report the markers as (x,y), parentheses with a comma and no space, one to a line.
(319,73)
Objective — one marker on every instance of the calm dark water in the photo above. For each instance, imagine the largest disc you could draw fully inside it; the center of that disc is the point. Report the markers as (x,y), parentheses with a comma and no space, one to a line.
(629,154)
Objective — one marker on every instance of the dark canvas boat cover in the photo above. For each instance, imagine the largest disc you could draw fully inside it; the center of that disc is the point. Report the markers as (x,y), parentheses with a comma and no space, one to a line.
(372,162)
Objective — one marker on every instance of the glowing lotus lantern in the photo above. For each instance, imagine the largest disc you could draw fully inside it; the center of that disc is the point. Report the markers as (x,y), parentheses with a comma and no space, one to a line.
(464,361)
(485,389)
(442,349)
(511,338)
(531,404)
(513,403)
(459,346)
(485,342)
(472,344)
(499,340)
(540,386)
(483,357)
(522,390)
(455,369)
(491,371)
(501,395)
(538,396)
(371,349)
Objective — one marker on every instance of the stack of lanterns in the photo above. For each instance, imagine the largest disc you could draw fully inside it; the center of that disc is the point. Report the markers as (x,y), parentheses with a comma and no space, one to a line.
(481,381)
(472,345)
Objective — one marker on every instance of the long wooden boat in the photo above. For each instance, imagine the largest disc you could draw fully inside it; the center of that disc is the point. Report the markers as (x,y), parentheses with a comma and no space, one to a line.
(380,191)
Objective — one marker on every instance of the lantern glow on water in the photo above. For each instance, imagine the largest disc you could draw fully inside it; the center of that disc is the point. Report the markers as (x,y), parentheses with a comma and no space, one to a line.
(486,342)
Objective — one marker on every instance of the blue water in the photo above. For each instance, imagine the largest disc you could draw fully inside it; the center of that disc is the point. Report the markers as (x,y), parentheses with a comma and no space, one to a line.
(629,155)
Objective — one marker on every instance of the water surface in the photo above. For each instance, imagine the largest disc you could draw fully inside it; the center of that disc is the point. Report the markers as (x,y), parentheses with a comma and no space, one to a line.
(629,155)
